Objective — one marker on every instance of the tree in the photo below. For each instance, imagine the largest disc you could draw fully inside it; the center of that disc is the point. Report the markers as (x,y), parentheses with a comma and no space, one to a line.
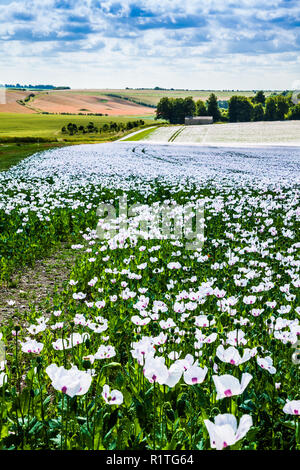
(178,111)
(90,127)
(240,109)
(212,107)
(271,109)
(164,109)
(282,106)
(201,108)
(224,115)
(189,106)
(175,110)
(72,128)
(259,98)
(258,112)
(294,112)
(129,125)
(113,126)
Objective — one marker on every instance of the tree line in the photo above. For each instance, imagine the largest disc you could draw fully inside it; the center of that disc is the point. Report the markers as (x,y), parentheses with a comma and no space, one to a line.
(90,128)
(35,87)
(240,108)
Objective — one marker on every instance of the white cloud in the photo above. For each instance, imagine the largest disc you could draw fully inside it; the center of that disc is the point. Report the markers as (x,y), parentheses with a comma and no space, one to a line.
(232,44)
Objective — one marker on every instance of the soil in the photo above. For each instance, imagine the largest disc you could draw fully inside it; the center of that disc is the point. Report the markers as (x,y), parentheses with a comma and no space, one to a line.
(64,102)
(12,105)
(32,286)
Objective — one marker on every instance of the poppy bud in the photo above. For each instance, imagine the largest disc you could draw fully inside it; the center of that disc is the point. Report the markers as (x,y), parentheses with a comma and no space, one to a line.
(86,364)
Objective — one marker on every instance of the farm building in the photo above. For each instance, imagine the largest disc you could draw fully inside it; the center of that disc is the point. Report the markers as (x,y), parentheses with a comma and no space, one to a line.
(196,120)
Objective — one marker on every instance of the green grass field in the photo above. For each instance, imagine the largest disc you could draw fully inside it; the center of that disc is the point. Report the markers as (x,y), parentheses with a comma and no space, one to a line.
(49,126)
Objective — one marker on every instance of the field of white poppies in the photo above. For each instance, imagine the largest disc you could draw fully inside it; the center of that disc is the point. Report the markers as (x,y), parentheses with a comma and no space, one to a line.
(153,345)
(233,133)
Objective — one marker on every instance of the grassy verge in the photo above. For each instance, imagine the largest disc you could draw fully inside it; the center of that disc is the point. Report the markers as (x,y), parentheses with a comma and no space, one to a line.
(141,135)
(13,153)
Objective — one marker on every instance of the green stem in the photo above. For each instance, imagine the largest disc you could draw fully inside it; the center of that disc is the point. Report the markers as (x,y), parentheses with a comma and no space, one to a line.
(154,415)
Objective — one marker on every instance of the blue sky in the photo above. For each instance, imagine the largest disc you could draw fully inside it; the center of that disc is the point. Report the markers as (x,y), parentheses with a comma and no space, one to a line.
(207,44)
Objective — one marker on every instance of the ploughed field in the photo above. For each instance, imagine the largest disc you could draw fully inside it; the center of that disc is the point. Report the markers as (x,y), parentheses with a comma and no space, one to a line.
(157,342)
(11,102)
(88,102)
(72,102)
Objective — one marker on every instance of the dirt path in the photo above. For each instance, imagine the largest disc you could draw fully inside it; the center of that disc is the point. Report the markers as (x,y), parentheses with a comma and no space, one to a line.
(32,286)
